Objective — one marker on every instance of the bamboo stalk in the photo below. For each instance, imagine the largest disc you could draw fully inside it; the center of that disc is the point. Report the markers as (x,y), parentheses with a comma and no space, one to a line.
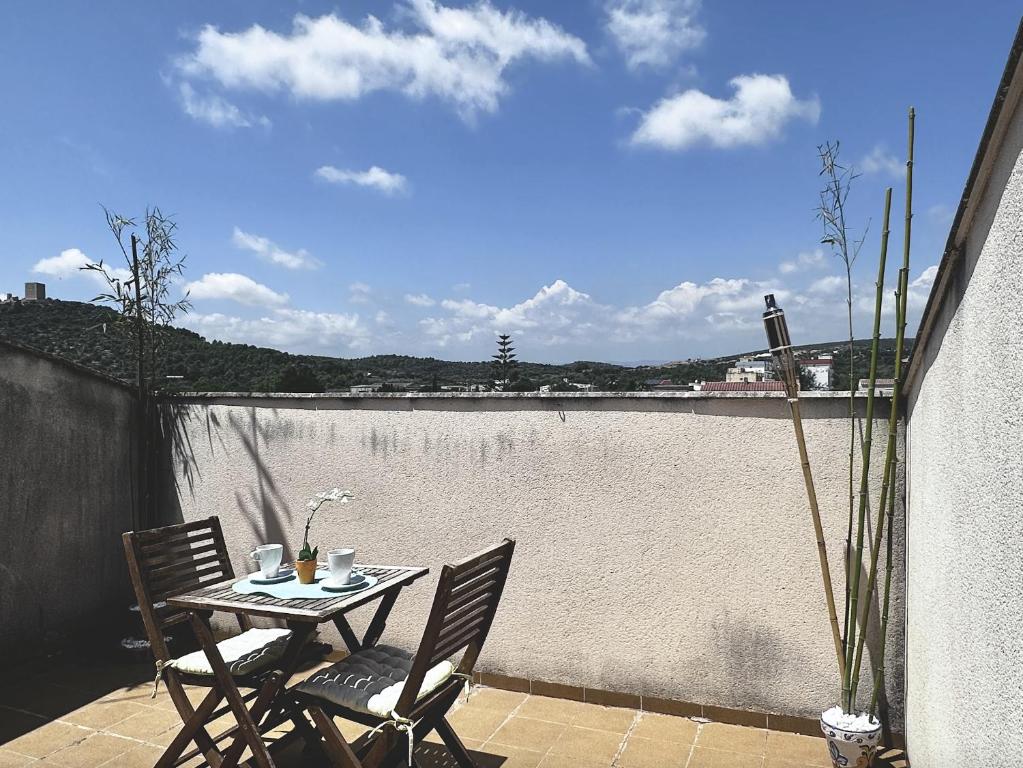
(879,674)
(887,489)
(857,563)
(822,550)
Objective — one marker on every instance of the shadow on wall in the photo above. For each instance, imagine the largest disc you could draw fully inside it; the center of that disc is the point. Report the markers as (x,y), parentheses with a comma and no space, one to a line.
(261,503)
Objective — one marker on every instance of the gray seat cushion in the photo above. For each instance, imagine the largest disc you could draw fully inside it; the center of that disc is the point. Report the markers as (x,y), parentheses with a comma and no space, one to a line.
(371,680)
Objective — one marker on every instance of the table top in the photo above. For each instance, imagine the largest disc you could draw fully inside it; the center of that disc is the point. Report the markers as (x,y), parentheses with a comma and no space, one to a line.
(221,597)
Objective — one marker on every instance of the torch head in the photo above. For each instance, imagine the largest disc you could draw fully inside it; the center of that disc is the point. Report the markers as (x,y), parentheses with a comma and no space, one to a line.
(781,345)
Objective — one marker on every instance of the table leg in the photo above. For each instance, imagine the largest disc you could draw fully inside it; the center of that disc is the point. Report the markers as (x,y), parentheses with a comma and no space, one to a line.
(347,634)
(379,622)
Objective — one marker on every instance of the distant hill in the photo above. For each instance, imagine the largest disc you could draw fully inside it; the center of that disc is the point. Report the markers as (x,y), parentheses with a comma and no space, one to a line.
(89,334)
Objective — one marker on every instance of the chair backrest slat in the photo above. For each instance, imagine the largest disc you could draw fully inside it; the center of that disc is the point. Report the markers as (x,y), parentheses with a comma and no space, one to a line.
(164,562)
(464,607)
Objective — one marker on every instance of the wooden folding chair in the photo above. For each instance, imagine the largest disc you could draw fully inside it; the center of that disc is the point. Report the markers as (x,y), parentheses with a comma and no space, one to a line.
(167,561)
(403,696)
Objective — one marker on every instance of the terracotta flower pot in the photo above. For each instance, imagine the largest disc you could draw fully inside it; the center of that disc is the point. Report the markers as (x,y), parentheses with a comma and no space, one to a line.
(306,571)
(850,747)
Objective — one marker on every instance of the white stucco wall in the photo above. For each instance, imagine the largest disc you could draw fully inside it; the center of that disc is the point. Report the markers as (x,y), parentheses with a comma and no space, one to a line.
(965,540)
(664,543)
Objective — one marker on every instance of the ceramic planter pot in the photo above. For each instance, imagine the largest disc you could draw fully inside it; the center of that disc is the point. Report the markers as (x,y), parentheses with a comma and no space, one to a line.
(306,571)
(850,748)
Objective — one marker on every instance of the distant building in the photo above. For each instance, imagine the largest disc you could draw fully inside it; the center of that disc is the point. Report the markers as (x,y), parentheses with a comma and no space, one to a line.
(35,291)
(7,297)
(881,386)
(657,382)
(742,386)
(365,389)
(819,369)
(748,369)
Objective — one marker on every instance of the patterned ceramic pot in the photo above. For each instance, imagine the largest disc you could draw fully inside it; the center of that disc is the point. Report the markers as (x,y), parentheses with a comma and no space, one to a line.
(851,749)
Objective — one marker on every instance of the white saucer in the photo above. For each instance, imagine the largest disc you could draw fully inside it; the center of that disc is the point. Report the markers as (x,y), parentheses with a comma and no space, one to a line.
(358,581)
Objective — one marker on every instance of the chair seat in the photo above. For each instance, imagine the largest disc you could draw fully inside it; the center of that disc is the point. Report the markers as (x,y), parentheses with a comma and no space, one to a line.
(371,680)
(243,654)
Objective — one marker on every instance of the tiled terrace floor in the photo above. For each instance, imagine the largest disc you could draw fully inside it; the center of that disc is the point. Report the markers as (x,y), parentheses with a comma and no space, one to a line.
(101,714)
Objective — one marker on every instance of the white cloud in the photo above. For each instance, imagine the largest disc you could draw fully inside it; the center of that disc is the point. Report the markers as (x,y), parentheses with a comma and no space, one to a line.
(759,110)
(419,300)
(828,285)
(269,251)
(654,33)
(360,293)
(697,309)
(216,110)
(881,161)
(375,178)
(459,55)
(234,287)
(805,259)
(69,264)
(555,315)
(285,328)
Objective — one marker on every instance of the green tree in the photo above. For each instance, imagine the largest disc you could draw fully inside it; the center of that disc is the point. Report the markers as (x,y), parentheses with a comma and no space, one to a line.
(298,378)
(504,362)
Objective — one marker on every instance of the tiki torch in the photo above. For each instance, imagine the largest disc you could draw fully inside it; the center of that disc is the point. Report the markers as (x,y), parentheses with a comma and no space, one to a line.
(785,362)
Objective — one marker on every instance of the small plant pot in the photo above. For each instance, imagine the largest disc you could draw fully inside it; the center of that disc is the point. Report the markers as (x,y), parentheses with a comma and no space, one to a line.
(306,571)
(850,746)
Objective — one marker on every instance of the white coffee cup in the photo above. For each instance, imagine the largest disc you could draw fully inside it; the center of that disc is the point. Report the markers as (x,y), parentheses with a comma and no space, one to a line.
(340,562)
(269,557)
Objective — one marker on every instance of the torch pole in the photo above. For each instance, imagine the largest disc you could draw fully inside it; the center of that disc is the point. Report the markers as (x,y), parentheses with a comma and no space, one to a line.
(785,363)
(822,550)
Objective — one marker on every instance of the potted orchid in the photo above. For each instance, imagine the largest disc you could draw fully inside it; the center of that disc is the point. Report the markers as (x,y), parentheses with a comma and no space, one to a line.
(306,562)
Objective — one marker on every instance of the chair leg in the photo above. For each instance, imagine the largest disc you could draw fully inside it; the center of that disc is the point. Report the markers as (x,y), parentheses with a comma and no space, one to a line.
(189,729)
(338,750)
(454,744)
(266,696)
(246,726)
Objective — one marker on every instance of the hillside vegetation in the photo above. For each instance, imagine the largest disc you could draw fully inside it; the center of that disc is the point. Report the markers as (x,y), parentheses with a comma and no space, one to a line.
(90,334)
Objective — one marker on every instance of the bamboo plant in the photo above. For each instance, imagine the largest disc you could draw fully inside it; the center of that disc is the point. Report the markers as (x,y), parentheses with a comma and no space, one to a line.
(851,639)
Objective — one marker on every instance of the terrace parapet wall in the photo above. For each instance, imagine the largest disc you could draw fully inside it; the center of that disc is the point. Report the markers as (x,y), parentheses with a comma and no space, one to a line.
(665,548)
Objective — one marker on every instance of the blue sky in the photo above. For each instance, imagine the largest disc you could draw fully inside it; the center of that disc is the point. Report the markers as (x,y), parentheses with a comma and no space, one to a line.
(604,179)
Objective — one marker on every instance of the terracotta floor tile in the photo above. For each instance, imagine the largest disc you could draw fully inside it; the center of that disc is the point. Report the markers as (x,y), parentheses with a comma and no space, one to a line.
(479,724)
(732,738)
(48,739)
(147,724)
(561,761)
(14,723)
(139,756)
(716,758)
(494,698)
(650,753)
(551,710)
(537,735)
(680,730)
(95,750)
(103,714)
(13,759)
(798,749)
(604,718)
(595,746)
(49,701)
(507,757)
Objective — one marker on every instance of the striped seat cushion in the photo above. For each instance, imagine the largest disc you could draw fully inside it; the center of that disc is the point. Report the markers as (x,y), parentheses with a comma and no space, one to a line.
(371,680)
(244,653)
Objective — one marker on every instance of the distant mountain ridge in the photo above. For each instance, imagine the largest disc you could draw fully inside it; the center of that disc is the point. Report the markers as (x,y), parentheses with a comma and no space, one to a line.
(90,335)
